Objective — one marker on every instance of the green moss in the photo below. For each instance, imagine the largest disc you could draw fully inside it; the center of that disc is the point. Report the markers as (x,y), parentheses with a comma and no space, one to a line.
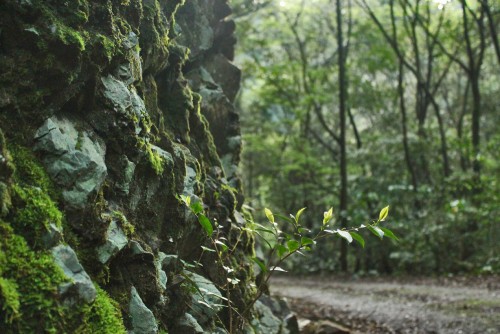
(155,160)
(71,37)
(102,316)
(30,172)
(32,195)
(126,226)
(106,45)
(9,299)
(34,213)
(36,278)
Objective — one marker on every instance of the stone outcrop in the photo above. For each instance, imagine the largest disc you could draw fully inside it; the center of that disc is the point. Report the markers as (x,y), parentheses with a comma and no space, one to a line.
(109,110)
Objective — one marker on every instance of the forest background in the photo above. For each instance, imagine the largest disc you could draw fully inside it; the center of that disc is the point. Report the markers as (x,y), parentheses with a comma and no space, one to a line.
(358,104)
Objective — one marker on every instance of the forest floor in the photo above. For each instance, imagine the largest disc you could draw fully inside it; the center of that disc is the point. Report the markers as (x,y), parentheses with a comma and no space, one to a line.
(385,305)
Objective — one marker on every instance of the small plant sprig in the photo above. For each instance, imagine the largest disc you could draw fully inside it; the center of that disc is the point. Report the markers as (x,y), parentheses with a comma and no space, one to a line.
(281,244)
(219,247)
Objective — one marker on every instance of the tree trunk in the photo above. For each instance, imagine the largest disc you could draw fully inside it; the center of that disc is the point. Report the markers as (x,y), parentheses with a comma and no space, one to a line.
(343,113)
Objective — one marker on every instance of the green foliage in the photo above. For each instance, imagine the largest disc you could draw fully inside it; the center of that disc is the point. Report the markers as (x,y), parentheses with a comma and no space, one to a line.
(281,244)
(287,54)
(102,316)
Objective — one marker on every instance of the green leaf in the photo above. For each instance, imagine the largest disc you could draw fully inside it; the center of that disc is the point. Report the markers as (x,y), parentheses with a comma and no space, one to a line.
(303,230)
(281,250)
(376,230)
(186,199)
(206,224)
(222,245)
(207,249)
(261,264)
(196,207)
(345,235)
(298,214)
(307,241)
(293,245)
(388,233)
(265,240)
(358,238)
(285,218)
(269,215)
(383,214)
(327,216)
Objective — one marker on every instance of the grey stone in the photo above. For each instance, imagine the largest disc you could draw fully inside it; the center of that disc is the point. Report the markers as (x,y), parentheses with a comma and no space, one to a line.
(115,242)
(171,263)
(143,320)
(198,36)
(206,300)
(190,181)
(162,276)
(136,248)
(279,307)
(129,72)
(230,168)
(52,236)
(50,137)
(65,257)
(266,321)
(116,94)
(131,41)
(126,174)
(187,324)
(74,159)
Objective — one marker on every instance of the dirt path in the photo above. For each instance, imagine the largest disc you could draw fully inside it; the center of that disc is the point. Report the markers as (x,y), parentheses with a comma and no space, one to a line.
(396,307)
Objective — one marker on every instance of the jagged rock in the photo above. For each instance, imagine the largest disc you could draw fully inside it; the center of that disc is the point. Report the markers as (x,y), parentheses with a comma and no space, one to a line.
(280,309)
(116,94)
(52,236)
(206,300)
(162,275)
(74,159)
(225,74)
(266,321)
(199,37)
(190,181)
(187,324)
(116,240)
(143,320)
(65,257)
(124,170)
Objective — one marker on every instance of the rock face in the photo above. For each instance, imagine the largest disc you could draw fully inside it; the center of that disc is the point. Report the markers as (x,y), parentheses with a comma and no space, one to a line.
(109,110)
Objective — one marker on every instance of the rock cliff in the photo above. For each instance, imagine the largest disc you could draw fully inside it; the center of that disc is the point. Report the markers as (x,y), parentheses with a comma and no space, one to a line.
(109,112)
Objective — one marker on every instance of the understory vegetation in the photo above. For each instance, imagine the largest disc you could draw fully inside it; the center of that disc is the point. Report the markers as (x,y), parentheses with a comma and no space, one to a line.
(364,103)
